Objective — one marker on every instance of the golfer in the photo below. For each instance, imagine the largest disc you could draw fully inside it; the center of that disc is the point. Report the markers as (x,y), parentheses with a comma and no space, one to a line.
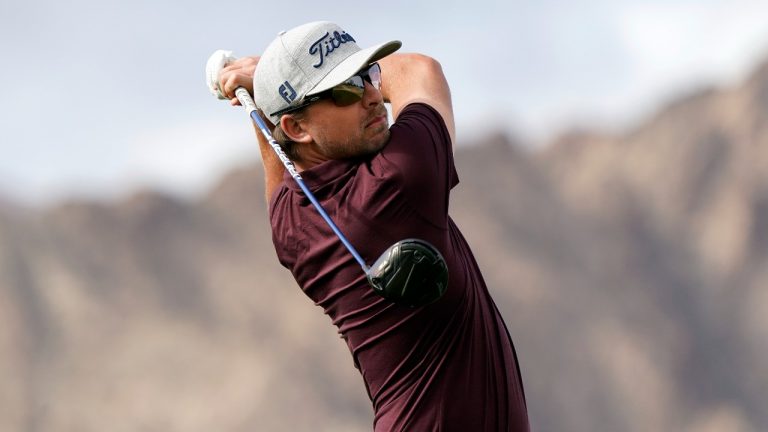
(446,366)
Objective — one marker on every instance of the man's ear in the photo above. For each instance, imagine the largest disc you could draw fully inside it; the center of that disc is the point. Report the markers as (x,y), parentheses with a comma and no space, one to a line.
(294,130)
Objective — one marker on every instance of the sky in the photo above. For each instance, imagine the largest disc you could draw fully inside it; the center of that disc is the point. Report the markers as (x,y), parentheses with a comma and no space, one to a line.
(106,97)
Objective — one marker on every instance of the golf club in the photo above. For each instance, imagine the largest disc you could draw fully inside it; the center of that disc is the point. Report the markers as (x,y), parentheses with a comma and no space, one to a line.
(411,272)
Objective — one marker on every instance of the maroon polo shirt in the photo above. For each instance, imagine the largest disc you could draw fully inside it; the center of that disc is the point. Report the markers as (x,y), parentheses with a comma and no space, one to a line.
(448,366)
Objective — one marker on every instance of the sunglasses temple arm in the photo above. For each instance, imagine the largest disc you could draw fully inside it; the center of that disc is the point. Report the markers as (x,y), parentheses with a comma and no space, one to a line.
(245,99)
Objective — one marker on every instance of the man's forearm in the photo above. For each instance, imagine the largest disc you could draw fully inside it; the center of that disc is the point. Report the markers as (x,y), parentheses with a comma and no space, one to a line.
(409,78)
(273,167)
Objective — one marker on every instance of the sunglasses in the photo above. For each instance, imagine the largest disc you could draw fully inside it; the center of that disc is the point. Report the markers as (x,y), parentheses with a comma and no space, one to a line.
(344,94)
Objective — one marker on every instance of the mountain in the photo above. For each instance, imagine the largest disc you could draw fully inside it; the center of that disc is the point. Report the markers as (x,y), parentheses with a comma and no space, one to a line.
(630,269)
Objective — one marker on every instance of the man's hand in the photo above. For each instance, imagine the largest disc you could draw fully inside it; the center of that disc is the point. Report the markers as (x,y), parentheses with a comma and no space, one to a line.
(237,74)
(224,73)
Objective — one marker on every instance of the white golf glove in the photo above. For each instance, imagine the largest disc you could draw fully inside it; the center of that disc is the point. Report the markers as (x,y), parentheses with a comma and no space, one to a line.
(216,62)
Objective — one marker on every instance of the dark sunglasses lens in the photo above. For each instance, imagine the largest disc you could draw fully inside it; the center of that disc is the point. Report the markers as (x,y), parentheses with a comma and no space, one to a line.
(373,75)
(347,94)
(355,81)
(352,90)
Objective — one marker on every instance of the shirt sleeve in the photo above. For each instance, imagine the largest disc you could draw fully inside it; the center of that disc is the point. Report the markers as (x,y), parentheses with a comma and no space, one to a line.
(420,151)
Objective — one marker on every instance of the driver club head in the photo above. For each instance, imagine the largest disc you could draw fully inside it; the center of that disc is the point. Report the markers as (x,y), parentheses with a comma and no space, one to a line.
(411,273)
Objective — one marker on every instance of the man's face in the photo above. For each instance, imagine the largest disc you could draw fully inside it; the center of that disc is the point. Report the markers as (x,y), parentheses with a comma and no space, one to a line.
(354,130)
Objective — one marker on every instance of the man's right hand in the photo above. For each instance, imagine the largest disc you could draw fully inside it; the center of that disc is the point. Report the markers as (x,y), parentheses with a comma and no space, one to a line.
(237,74)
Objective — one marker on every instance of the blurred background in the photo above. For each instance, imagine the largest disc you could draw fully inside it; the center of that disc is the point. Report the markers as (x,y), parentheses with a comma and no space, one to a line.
(613,159)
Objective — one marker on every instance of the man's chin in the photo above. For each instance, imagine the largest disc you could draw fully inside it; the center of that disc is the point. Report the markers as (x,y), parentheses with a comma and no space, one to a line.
(378,141)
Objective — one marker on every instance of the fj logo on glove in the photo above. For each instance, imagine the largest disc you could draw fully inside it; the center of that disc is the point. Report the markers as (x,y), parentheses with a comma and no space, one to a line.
(287,92)
(327,44)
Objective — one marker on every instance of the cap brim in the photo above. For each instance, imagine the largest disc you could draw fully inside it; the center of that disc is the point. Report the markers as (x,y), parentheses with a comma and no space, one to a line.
(352,64)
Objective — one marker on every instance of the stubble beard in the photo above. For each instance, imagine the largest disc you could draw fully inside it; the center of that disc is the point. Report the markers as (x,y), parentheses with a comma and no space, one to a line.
(368,141)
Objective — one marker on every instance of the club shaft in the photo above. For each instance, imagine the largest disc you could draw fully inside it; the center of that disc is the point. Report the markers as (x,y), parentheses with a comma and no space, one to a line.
(245,99)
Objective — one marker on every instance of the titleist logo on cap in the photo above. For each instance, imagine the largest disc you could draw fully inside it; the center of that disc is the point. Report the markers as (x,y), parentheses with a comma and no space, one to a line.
(327,44)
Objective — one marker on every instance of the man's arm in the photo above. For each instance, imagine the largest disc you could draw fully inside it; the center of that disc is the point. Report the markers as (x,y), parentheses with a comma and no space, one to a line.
(273,167)
(240,74)
(410,78)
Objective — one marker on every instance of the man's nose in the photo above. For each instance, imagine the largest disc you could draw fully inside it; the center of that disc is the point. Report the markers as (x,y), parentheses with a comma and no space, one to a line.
(371,95)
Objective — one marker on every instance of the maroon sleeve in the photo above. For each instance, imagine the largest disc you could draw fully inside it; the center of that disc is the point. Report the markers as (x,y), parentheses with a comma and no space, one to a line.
(420,151)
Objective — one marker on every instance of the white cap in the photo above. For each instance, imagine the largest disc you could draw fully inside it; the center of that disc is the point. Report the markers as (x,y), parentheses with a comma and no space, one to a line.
(307,60)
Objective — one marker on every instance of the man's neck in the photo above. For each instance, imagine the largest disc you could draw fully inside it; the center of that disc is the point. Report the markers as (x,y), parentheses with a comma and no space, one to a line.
(309,157)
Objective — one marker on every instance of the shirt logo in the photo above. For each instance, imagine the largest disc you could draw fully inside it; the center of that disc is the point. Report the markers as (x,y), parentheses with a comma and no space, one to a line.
(287,92)
(327,44)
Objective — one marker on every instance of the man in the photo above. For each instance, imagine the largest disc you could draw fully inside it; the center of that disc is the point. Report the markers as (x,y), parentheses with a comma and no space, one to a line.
(447,366)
